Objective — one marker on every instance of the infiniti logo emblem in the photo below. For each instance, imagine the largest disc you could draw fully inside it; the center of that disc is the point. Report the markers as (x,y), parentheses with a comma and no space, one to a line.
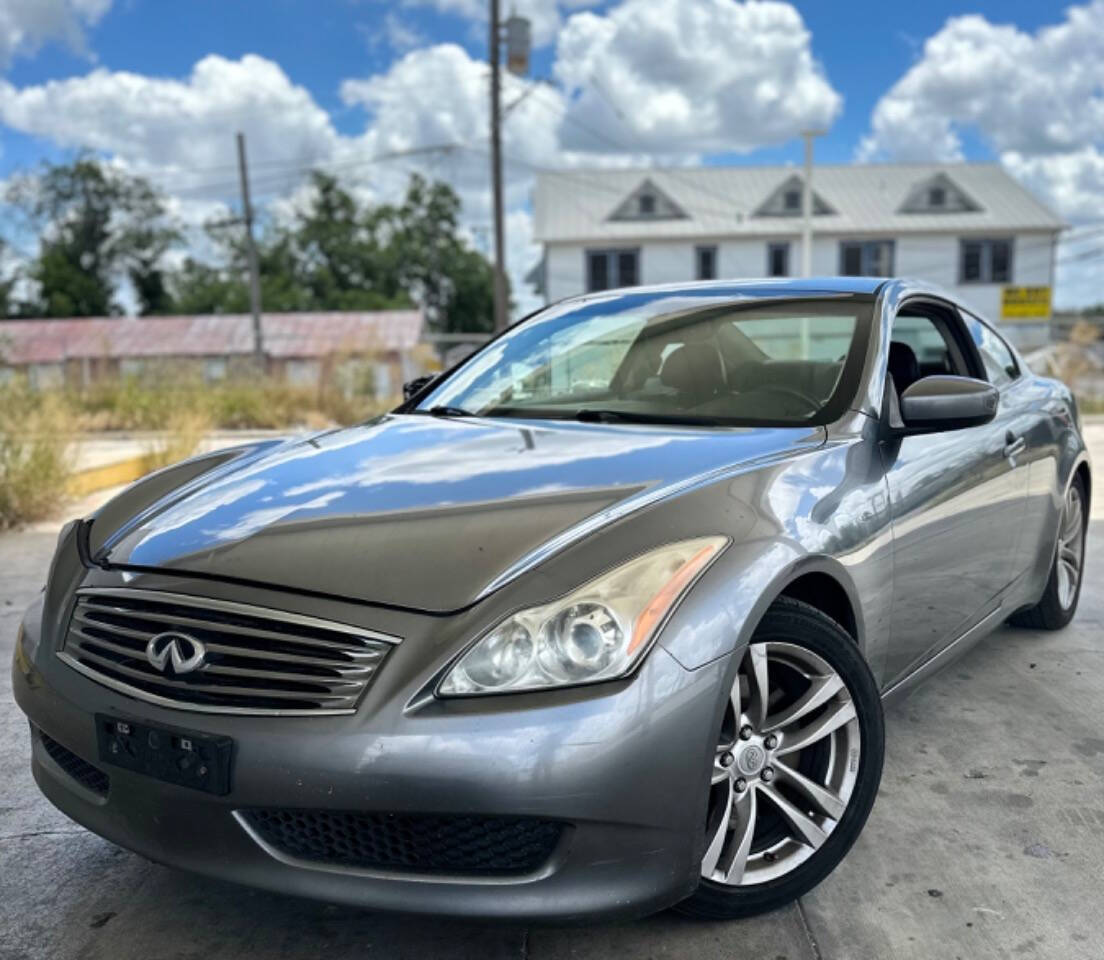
(183,652)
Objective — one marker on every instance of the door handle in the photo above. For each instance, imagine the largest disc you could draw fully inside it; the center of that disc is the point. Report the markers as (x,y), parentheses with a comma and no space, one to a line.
(1013,444)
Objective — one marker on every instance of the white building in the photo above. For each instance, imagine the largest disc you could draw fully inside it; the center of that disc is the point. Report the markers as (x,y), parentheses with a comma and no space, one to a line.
(970,228)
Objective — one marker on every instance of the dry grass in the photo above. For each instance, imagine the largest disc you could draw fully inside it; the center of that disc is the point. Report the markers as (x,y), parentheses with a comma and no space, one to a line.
(34,468)
(37,427)
(184,433)
(238,404)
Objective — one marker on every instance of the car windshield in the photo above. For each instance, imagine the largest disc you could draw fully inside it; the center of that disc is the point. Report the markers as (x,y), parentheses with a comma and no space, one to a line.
(665,358)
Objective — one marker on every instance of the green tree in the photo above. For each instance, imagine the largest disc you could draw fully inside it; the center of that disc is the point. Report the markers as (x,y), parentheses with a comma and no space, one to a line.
(338,253)
(429,259)
(97,225)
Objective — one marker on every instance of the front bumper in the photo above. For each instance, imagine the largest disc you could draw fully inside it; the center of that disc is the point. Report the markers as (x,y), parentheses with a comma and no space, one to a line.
(624,765)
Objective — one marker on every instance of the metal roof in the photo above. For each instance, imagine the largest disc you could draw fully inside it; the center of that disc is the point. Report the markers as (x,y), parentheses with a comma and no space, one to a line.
(286,335)
(574,205)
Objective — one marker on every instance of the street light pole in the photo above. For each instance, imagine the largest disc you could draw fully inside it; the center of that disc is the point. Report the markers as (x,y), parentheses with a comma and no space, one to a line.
(495,52)
(807,205)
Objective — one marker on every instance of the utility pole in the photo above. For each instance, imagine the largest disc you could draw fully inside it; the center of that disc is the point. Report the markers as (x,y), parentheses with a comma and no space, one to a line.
(251,250)
(807,205)
(517,62)
(496,170)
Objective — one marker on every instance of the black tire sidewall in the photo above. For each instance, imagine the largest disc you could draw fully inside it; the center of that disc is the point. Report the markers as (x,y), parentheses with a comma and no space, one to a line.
(1048,613)
(792,621)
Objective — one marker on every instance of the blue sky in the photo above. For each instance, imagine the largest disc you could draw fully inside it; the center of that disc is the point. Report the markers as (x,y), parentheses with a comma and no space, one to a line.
(864,47)
(161,87)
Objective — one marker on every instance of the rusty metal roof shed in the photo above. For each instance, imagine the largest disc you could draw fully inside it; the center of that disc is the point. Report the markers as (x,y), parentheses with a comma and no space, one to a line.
(286,335)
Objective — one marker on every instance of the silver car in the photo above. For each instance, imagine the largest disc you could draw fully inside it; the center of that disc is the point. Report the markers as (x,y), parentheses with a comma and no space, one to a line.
(599,622)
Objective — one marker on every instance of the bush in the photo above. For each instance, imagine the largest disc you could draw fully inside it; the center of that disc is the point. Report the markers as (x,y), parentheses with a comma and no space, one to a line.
(34,465)
(234,404)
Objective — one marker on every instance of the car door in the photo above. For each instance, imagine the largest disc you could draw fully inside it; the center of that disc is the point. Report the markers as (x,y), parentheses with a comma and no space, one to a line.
(1021,418)
(956,499)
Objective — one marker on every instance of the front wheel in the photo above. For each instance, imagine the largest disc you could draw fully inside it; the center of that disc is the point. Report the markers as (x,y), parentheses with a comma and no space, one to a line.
(796,768)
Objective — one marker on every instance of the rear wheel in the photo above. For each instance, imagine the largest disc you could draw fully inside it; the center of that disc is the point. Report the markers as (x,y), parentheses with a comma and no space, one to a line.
(1059,601)
(796,768)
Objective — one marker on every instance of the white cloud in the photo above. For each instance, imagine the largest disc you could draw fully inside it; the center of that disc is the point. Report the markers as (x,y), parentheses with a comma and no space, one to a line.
(27,25)
(437,96)
(1073,182)
(713,76)
(1036,99)
(544,16)
(182,126)
(401,35)
(1040,93)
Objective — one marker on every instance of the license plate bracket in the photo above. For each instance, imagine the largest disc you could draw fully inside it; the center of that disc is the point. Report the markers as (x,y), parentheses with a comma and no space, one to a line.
(199,761)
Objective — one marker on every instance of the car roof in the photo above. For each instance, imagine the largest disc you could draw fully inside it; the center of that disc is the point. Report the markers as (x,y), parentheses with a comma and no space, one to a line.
(767,288)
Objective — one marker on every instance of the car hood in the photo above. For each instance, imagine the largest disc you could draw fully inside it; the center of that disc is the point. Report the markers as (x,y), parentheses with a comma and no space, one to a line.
(426,513)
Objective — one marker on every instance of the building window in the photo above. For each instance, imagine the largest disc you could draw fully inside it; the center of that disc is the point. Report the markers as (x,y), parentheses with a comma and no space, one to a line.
(706,265)
(791,200)
(132,368)
(778,259)
(866,258)
(647,204)
(214,368)
(302,373)
(985,261)
(937,197)
(46,376)
(612,268)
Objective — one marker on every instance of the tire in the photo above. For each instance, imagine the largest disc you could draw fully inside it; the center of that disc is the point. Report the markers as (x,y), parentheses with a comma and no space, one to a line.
(796,642)
(1058,604)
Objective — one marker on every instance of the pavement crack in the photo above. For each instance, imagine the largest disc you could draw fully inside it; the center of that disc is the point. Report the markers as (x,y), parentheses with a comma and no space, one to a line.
(813,945)
(41,833)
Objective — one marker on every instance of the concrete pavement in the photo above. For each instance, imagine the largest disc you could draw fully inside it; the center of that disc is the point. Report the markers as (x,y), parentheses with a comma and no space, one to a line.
(987,840)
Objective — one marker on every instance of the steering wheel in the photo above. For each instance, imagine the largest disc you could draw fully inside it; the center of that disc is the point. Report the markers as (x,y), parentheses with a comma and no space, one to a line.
(779,388)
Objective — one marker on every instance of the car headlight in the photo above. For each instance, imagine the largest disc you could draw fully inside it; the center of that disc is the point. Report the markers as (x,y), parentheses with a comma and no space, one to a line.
(597,632)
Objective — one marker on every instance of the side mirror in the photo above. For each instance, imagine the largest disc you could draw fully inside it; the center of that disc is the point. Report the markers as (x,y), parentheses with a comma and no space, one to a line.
(417,385)
(942,402)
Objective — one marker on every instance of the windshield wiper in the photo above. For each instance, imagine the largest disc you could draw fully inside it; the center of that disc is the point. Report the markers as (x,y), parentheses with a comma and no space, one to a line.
(588,415)
(447,411)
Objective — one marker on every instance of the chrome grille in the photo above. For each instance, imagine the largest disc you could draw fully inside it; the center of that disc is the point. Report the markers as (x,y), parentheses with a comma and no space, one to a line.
(257,660)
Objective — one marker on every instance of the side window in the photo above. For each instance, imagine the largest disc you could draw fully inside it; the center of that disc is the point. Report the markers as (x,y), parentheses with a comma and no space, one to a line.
(928,342)
(1000,363)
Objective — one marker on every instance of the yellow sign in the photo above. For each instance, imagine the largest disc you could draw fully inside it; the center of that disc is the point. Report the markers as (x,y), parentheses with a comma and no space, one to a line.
(1025,302)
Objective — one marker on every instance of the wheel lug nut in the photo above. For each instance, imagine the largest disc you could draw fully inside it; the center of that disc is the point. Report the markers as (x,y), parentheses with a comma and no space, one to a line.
(767,774)
(746,732)
(726,759)
(771,742)
(741,785)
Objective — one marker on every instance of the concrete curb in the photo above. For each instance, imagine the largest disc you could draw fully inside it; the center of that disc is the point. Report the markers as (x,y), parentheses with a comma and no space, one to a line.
(84,482)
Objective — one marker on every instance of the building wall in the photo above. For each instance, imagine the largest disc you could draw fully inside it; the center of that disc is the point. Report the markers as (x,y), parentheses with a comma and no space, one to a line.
(933,257)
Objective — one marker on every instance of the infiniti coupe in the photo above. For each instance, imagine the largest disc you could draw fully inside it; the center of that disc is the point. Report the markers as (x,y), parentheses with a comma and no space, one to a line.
(600,621)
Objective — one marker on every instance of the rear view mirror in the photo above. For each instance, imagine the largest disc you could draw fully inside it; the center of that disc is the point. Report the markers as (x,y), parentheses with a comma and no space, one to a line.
(417,385)
(941,402)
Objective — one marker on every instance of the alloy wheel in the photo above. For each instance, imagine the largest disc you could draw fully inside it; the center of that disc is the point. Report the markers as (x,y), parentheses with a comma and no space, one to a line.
(1071,547)
(785,767)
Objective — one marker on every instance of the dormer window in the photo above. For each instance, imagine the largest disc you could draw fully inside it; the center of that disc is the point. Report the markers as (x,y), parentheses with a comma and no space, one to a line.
(787,200)
(938,194)
(648,202)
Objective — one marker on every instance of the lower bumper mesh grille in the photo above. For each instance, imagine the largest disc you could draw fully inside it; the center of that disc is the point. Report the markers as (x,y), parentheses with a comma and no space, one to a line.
(88,776)
(407,842)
